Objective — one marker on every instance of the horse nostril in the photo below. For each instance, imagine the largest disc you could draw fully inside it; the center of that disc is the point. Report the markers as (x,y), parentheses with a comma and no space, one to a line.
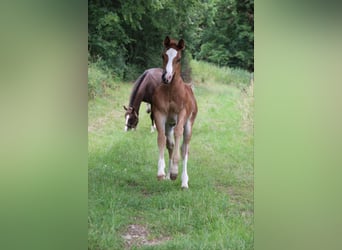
(163,77)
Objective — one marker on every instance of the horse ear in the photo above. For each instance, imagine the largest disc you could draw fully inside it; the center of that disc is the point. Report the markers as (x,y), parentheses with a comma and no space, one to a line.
(181,44)
(167,41)
(125,107)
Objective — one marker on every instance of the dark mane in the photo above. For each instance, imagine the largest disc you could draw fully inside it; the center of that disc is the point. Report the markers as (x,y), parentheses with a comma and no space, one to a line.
(136,88)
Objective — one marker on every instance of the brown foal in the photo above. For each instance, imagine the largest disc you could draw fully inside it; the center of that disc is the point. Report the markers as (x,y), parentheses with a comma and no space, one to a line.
(174,109)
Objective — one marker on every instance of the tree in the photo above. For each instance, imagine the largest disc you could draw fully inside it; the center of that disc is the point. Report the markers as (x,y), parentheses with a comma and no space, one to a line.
(128,34)
(229,39)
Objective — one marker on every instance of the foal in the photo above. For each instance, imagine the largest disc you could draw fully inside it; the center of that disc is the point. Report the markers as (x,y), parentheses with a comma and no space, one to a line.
(142,91)
(174,109)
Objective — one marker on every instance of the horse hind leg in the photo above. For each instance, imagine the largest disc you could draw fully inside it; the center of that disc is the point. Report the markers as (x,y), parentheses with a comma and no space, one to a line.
(153,124)
(148,108)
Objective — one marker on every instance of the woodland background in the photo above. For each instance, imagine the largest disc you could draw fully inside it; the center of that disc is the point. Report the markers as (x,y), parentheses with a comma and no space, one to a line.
(125,36)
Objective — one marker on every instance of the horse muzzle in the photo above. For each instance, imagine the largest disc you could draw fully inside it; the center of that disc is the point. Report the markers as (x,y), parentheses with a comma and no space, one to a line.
(167,77)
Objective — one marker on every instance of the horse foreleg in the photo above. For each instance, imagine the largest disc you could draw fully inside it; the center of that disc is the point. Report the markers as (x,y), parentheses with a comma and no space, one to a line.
(185,154)
(170,143)
(185,177)
(178,131)
(161,146)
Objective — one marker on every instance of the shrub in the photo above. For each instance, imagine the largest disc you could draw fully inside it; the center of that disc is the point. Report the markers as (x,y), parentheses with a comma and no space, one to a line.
(207,72)
(100,78)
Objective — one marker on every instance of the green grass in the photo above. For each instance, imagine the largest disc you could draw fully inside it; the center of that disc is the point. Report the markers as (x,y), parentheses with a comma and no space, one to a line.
(207,72)
(217,210)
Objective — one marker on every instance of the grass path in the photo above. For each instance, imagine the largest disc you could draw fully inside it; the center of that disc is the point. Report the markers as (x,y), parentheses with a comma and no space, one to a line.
(130,209)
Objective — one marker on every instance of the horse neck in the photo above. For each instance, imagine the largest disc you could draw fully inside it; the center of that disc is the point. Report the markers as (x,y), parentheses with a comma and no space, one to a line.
(136,104)
(136,100)
(138,93)
(177,80)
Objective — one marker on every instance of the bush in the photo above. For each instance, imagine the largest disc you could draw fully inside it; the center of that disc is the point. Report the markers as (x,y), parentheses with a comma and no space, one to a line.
(100,78)
(132,72)
(207,72)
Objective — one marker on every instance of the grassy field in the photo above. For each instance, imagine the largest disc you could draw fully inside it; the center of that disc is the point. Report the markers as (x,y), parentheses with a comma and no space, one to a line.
(130,209)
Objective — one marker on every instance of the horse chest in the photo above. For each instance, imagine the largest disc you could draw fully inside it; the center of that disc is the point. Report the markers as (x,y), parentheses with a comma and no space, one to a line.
(175,101)
(174,107)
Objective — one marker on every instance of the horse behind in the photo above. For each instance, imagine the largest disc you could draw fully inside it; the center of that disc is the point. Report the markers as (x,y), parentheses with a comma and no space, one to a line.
(174,109)
(142,91)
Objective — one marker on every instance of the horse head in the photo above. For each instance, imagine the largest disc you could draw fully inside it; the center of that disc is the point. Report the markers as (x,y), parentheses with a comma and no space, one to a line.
(131,118)
(171,58)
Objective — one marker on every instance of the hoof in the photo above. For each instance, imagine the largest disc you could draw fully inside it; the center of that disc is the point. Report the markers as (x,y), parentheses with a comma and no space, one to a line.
(173,176)
(160,177)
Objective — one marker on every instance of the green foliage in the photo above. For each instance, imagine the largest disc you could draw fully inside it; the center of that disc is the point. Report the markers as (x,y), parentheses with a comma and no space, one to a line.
(106,36)
(128,34)
(229,39)
(208,72)
(100,78)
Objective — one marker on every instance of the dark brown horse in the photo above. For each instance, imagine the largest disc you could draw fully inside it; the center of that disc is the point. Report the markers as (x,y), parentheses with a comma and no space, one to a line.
(174,109)
(142,91)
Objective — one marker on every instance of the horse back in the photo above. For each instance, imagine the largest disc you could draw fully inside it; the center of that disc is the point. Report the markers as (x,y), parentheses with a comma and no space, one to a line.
(153,78)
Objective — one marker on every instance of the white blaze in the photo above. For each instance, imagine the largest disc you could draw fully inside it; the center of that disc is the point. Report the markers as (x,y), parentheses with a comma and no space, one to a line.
(171,53)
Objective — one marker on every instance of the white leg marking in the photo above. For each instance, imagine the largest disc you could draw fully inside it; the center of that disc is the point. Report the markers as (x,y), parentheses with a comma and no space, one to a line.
(185,154)
(185,177)
(153,127)
(161,167)
(161,146)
